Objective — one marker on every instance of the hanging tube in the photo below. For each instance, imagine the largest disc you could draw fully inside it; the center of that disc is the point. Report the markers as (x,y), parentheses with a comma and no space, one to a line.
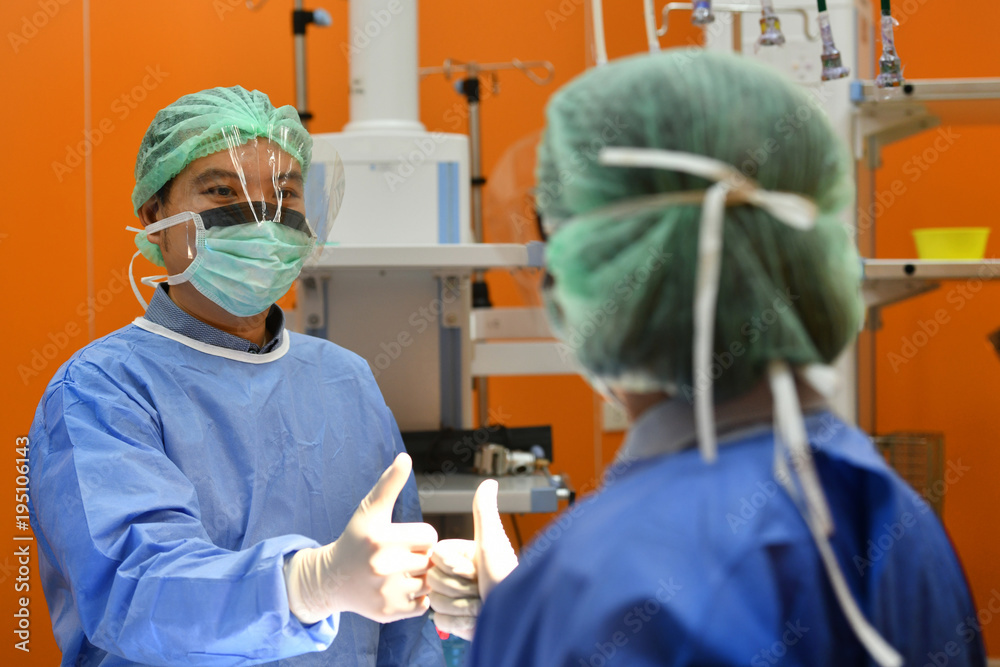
(833,65)
(649,13)
(770,26)
(597,20)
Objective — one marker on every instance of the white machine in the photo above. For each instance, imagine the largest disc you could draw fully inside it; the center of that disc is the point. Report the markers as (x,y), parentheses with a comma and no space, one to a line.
(407,188)
(393,282)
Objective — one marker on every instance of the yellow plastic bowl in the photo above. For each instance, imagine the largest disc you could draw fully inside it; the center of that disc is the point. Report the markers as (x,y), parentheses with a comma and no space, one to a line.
(951,242)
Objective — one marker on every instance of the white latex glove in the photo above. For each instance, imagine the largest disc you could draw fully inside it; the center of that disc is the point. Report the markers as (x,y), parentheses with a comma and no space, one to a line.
(454,593)
(464,572)
(376,568)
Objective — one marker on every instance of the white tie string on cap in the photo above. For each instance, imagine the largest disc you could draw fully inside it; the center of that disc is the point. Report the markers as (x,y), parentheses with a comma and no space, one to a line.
(732,187)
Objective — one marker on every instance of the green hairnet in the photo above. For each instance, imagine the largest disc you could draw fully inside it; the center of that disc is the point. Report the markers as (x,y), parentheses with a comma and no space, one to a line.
(623,285)
(192,127)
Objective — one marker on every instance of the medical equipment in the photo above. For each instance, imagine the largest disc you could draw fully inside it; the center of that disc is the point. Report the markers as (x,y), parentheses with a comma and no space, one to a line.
(496,450)
(469,87)
(495,460)
(301,19)
(771,34)
(702,14)
(594,20)
(770,26)
(394,282)
(833,65)
(890,69)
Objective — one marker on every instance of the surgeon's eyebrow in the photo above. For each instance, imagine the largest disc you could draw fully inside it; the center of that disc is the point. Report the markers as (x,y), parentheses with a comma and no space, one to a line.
(294,176)
(215,174)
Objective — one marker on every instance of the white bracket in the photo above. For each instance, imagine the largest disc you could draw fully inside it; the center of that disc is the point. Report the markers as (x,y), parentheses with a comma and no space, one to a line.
(879,293)
(490,323)
(873,131)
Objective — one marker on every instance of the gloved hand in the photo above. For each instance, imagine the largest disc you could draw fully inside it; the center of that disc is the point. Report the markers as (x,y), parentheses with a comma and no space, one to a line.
(376,568)
(464,572)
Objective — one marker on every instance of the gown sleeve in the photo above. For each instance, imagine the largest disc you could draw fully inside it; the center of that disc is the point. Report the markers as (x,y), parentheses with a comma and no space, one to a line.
(121,527)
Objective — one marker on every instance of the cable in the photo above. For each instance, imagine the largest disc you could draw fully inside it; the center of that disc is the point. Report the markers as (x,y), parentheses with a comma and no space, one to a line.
(517,532)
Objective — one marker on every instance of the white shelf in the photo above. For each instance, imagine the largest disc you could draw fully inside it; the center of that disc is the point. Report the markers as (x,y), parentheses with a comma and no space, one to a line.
(958,101)
(452,494)
(888,281)
(459,256)
(917,106)
(909,269)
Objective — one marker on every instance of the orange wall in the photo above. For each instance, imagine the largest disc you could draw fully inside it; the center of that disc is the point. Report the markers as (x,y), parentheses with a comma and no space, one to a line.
(952,381)
(48,279)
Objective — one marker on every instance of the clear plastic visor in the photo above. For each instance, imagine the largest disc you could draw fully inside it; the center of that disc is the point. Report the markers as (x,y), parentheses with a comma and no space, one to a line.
(251,182)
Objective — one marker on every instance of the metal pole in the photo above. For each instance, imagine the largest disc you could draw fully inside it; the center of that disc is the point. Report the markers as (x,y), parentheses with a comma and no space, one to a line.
(476,170)
(471,89)
(301,94)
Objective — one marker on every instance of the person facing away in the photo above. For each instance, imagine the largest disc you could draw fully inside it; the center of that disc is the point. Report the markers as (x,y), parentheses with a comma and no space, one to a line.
(700,273)
(207,487)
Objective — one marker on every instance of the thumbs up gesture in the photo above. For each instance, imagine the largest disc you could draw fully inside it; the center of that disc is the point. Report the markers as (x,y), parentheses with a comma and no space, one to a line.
(464,572)
(376,568)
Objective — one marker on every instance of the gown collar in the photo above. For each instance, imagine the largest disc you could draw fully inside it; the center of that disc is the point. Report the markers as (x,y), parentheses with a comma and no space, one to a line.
(669,426)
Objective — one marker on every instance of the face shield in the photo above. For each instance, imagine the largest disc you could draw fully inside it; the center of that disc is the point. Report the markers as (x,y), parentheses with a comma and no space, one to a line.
(239,224)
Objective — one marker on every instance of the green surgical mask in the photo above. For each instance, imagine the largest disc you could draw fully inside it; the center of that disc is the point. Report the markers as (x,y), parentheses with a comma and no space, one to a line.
(243,267)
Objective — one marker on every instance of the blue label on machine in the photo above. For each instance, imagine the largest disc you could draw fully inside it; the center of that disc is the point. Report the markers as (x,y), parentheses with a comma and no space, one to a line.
(448,212)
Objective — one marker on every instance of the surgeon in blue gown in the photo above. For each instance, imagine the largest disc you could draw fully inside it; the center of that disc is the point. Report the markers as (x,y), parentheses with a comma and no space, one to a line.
(697,266)
(205,484)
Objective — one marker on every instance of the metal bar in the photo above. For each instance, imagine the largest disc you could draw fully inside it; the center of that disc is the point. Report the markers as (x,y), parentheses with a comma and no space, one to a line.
(466,256)
(452,67)
(910,269)
(741,9)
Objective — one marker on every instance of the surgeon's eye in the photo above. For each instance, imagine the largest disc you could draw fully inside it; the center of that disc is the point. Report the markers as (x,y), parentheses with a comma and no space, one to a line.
(221,191)
(288,193)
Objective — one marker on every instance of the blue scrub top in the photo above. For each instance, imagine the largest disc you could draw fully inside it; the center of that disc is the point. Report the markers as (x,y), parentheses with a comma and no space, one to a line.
(680,562)
(168,485)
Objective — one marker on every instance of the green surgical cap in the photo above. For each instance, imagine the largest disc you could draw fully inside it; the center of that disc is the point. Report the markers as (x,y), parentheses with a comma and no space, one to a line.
(623,284)
(192,127)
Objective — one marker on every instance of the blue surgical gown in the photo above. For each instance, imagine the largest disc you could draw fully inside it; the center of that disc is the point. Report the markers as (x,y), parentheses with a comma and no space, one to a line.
(679,562)
(168,485)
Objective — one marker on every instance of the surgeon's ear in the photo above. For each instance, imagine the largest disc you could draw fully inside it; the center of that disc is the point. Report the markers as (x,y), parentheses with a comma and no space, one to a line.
(149,213)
